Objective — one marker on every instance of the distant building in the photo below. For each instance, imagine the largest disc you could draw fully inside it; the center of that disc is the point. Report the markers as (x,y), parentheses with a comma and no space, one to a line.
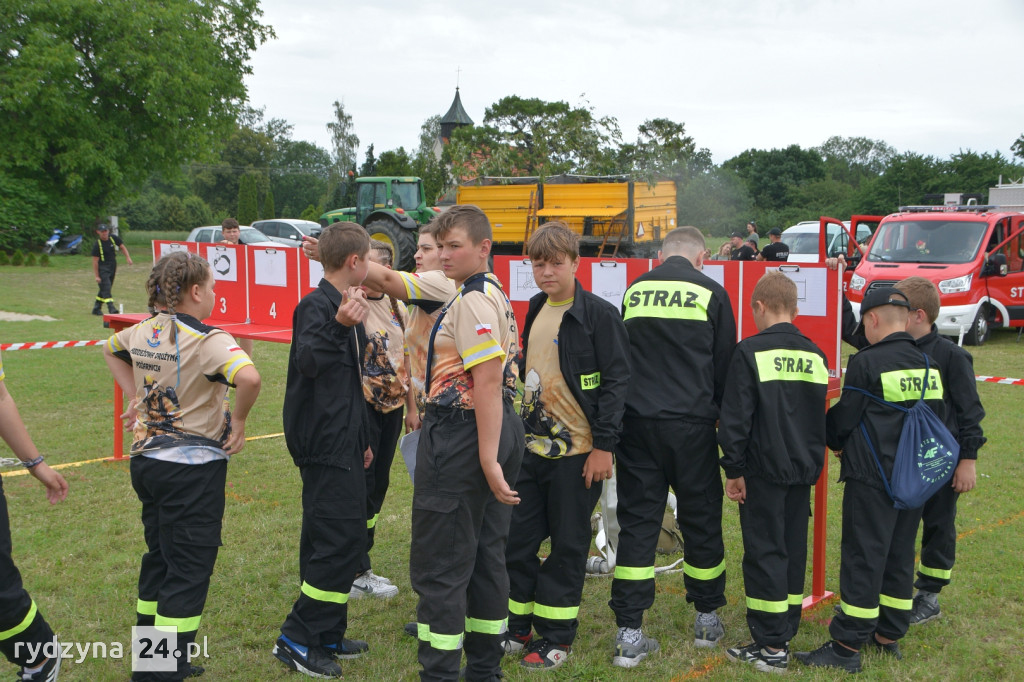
(455,118)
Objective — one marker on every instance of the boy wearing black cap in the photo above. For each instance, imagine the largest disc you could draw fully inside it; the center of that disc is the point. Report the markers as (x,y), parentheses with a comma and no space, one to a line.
(775,250)
(741,250)
(104,266)
(876,595)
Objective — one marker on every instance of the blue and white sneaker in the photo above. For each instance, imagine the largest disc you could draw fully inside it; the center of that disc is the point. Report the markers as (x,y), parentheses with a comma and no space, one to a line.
(47,673)
(350,648)
(312,661)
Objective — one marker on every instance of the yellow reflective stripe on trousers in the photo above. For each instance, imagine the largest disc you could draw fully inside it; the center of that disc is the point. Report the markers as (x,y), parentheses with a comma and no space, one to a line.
(857,612)
(146,608)
(323,595)
(20,627)
(634,573)
(438,641)
(796,600)
(704,573)
(520,608)
(666,300)
(556,612)
(370,523)
(894,603)
(767,606)
(183,624)
(487,627)
(939,573)
(790,365)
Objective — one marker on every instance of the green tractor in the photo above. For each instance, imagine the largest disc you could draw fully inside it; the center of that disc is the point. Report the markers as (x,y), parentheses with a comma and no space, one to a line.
(391,209)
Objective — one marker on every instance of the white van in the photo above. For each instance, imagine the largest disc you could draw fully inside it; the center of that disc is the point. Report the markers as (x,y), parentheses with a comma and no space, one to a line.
(802,240)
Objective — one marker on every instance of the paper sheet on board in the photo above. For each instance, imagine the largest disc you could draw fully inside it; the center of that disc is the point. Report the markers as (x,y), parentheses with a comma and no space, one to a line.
(271,267)
(715,272)
(520,278)
(172,247)
(222,261)
(608,280)
(810,289)
(408,445)
(316,273)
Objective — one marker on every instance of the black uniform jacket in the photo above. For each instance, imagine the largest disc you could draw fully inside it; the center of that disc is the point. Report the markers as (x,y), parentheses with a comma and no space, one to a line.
(681,335)
(963,407)
(324,414)
(886,361)
(593,354)
(773,415)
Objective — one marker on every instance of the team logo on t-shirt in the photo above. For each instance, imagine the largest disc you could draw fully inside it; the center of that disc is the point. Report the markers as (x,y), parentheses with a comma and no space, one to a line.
(154,340)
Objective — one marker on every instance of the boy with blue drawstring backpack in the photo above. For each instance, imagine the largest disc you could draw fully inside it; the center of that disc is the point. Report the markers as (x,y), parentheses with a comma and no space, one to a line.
(876,596)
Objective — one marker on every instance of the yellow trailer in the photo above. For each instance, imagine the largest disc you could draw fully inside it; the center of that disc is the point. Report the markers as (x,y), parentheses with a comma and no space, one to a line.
(613,216)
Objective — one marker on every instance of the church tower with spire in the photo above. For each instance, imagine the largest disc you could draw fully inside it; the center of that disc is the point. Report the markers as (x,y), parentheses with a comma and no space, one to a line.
(455,118)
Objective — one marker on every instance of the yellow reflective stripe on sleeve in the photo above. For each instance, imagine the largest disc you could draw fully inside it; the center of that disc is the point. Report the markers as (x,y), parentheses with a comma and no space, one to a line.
(112,345)
(704,573)
(667,300)
(146,608)
(412,288)
(556,612)
(20,627)
(370,523)
(767,606)
(482,352)
(894,603)
(590,381)
(487,627)
(231,369)
(634,573)
(183,624)
(438,641)
(520,608)
(796,600)
(857,612)
(940,573)
(323,595)
(790,365)
(905,384)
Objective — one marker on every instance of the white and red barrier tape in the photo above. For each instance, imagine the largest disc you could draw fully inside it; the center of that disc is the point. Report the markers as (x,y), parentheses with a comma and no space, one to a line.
(1000,380)
(38,345)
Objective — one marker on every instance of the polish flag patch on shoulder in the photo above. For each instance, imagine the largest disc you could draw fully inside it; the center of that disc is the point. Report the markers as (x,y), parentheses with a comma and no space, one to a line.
(482,329)
(233,349)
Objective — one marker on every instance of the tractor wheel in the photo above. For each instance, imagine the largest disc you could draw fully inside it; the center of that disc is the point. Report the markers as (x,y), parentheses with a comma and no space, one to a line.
(401,240)
(977,335)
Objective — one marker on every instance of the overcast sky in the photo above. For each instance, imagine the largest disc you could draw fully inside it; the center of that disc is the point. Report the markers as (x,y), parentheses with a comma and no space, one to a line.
(932,77)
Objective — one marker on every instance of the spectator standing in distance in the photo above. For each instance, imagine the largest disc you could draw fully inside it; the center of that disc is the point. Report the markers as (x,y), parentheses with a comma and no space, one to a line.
(104,266)
(964,413)
(752,233)
(773,449)
(21,624)
(687,317)
(741,250)
(776,250)
(231,233)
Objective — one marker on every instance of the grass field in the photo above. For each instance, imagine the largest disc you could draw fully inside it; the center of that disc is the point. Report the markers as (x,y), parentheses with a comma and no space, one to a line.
(79,559)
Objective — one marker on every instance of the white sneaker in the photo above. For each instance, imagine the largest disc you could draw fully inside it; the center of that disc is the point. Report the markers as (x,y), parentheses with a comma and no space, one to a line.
(369,585)
(379,578)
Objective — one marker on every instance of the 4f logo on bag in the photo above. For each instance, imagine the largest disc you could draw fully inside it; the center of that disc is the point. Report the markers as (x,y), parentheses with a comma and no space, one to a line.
(934,460)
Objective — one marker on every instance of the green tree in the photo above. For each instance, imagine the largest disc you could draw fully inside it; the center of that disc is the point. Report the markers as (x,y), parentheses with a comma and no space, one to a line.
(852,160)
(771,175)
(196,212)
(173,217)
(369,167)
(428,164)
(1018,148)
(248,201)
(268,205)
(97,94)
(663,150)
(394,162)
(907,178)
(344,141)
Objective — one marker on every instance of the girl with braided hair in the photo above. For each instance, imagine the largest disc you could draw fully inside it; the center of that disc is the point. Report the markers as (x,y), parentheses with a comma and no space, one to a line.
(386,391)
(179,370)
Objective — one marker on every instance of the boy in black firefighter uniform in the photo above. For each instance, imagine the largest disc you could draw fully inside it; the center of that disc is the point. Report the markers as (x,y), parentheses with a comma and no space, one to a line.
(963,418)
(773,448)
(23,630)
(685,319)
(104,266)
(876,570)
(326,432)
(575,370)
(469,454)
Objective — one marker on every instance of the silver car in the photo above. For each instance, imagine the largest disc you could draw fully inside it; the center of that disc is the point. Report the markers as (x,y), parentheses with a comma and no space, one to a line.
(211,234)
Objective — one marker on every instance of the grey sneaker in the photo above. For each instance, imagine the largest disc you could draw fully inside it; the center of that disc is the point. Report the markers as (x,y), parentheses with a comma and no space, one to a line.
(707,630)
(926,608)
(763,660)
(632,646)
(825,656)
(368,585)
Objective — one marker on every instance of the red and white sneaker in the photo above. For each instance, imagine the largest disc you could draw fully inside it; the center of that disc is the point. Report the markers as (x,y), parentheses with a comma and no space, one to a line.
(545,655)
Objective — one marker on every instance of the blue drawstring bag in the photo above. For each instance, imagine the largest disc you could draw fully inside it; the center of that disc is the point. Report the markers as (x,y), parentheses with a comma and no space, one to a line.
(926,455)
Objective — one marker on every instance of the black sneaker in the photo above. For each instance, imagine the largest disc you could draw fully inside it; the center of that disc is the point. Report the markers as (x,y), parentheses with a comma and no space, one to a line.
(926,608)
(48,673)
(313,661)
(411,629)
(195,671)
(514,642)
(825,656)
(762,659)
(350,648)
(891,649)
(544,655)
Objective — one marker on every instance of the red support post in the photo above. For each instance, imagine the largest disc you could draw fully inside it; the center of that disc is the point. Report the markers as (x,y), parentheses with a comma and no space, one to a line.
(118,426)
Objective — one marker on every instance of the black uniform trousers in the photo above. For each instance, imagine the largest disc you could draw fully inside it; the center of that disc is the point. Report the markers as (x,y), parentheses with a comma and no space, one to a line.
(182,512)
(938,540)
(774,523)
(21,623)
(654,454)
(876,567)
(459,532)
(107,274)
(385,430)
(555,503)
(331,545)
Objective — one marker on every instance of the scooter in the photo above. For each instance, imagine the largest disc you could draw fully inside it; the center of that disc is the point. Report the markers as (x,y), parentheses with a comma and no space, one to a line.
(63,243)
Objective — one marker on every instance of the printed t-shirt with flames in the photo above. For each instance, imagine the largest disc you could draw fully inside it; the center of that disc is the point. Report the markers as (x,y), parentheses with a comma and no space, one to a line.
(478,327)
(555,423)
(385,381)
(180,403)
(426,293)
